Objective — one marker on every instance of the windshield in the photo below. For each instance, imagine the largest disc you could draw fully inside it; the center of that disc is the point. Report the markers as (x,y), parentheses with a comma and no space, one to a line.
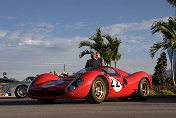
(84,70)
(28,79)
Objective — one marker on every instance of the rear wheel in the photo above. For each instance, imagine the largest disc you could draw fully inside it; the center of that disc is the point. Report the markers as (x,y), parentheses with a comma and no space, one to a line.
(143,90)
(97,92)
(46,101)
(21,92)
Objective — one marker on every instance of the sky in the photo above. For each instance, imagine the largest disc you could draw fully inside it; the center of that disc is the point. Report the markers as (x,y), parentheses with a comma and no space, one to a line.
(40,36)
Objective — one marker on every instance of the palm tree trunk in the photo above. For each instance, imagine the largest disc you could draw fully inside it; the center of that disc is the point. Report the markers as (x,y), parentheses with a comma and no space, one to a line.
(115,63)
(110,63)
(172,67)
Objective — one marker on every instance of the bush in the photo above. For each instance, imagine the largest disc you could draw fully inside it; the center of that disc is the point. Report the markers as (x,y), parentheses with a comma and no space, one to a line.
(161,92)
(166,92)
(152,93)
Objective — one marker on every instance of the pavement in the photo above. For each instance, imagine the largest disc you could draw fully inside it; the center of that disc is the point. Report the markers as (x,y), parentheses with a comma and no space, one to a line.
(111,108)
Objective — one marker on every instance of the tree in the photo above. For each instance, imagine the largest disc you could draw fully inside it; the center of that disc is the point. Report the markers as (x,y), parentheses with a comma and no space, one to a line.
(97,44)
(109,50)
(113,49)
(168,29)
(160,77)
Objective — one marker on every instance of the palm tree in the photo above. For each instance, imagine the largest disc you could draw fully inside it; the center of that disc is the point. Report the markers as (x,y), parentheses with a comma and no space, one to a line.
(117,55)
(113,49)
(108,50)
(173,3)
(97,44)
(168,29)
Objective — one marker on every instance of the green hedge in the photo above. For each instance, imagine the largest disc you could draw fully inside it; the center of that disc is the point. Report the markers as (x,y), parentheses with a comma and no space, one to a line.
(161,92)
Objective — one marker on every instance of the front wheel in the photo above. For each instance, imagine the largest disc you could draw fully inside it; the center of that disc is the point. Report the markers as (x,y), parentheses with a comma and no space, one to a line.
(97,92)
(21,92)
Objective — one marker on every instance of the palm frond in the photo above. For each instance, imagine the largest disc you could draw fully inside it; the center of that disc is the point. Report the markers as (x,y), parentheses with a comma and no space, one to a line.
(85,52)
(155,48)
(172,2)
(109,38)
(86,43)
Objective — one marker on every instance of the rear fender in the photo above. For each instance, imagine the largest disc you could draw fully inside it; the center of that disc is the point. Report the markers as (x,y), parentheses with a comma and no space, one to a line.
(134,79)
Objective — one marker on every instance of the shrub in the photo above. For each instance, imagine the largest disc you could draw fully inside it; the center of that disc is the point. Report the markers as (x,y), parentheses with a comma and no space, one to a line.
(161,92)
(152,93)
(166,92)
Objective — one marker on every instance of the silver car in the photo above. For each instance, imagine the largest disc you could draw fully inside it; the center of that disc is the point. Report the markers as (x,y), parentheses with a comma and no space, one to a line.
(15,88)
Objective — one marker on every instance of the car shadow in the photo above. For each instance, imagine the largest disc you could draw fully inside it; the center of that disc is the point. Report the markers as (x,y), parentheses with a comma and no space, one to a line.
(149,100)
(28,101)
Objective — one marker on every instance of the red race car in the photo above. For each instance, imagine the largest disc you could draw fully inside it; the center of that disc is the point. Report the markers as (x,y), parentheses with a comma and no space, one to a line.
(93,84)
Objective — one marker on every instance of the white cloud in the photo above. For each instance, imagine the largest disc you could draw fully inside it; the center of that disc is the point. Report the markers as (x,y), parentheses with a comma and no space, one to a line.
(130,38)
(127,27)
(14,35)
(134,36)
(78,25)
(3,33)
(132,65)
(39,36)
(67,43)
(29,41)
(24,24)
(46,25)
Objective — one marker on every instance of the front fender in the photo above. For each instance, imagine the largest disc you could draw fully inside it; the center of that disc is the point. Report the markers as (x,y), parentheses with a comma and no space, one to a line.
(88,79)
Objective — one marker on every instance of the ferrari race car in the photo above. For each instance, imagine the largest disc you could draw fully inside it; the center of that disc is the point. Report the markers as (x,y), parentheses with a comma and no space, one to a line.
(15,88)
(93,84)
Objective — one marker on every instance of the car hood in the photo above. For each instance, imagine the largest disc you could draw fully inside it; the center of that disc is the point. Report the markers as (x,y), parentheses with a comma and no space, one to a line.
(63,82)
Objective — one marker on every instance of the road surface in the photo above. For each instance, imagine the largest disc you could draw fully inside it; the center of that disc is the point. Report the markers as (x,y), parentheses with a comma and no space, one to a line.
(28,108)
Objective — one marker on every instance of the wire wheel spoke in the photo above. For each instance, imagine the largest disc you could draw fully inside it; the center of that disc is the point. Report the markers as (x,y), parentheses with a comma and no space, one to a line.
(145,89)
(99,89)
(22,91)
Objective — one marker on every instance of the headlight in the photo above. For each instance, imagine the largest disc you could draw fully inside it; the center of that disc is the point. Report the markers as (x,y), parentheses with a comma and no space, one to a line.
(75,84)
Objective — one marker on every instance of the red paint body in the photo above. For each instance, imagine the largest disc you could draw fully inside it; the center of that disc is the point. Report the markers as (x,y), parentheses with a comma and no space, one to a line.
(48,86)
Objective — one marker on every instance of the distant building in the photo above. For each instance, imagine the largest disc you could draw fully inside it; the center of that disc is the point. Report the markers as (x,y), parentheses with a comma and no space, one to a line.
(169,53)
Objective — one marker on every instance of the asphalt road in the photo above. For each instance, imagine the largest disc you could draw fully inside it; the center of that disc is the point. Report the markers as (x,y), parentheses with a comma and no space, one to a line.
(28,108)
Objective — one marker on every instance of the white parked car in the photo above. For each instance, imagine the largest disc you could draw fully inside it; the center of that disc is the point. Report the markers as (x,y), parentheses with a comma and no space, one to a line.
(15,88)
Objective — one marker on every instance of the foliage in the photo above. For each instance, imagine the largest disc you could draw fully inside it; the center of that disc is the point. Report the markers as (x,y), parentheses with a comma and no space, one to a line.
(165,92)
(160,77)
(109,50)
(166,89)
(112,49)
(152,92)
(98,44)
(161,92)
(168,30)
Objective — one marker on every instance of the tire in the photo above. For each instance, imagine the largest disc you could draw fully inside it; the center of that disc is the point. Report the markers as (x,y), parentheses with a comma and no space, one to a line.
(143,90)
(21,92)
(46,101)
(97,92)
